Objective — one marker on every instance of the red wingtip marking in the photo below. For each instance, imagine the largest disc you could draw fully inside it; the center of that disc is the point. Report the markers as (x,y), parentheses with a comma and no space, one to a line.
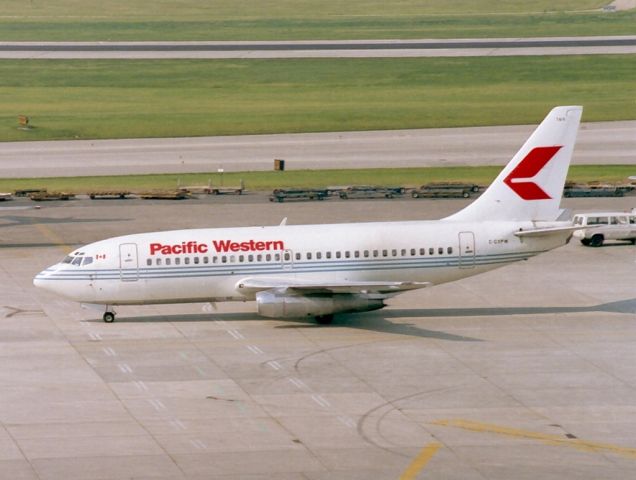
(531,164)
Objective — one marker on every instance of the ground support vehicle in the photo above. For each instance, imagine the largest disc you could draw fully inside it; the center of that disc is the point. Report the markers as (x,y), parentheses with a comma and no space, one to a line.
(605,226)
(281,195)
(367,191)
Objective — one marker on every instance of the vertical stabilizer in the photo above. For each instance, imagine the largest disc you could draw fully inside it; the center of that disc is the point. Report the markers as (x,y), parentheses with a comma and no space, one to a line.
(531,185)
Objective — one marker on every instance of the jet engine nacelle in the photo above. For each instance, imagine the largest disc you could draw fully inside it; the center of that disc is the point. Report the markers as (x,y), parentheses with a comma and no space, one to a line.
(277,305)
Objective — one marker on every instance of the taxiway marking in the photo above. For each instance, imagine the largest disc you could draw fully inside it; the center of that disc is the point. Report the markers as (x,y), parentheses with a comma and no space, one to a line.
(420,461)
(547,438)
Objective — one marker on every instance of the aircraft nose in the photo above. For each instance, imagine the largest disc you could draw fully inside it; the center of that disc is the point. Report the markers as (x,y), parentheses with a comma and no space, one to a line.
(40,280)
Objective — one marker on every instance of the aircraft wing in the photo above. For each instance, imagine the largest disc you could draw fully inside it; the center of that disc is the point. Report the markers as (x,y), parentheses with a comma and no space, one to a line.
(254,285)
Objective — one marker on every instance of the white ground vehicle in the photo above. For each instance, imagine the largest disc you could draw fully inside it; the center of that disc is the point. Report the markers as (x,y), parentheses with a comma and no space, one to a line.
(606,226)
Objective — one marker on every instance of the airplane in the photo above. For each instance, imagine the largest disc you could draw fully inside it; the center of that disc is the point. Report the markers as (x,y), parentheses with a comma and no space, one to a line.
(317,271)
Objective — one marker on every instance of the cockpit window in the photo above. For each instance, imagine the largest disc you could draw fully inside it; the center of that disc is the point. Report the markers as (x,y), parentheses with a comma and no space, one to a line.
(77,261)
(68,259)
(87,261)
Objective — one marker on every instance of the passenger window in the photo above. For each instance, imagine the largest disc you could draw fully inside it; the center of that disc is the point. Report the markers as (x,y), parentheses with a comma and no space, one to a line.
(268,257)
(196,260)
(422,251)
(431,251)
(241,258)
(375,253)
(149,261)
(158,261)
(186,260)
(298,256)
(215,259)
(250,258)
(318,255)
(277,257)
(394,253)
(347,254)
(413,253)
(328,254)
(449,250)
(287,256)
(308,255)
(366,253)
(440,250)
(259,257)
(232,259)
(385,253)
(224,259)
(578,220)
(356,254)
(403,252)
(168,261)
(337,254)
(177,261)
(206,259)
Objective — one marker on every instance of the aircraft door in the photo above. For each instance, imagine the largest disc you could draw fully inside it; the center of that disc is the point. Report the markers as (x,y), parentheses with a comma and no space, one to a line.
(287,259)
(128,262)
(466,250)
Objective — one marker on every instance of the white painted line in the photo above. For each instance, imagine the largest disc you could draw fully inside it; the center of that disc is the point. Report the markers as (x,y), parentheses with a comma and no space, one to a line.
(199,444)
(274,364)
(157,404)
(223,323)
(109,352)
(236,334)
(320,401)
(298,383)
(95,336)
(177,424)
(141,386)
(347,422)
(124,367)
(255,350)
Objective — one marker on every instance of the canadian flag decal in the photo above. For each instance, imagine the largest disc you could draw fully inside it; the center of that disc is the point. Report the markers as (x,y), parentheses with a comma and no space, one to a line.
(533,162)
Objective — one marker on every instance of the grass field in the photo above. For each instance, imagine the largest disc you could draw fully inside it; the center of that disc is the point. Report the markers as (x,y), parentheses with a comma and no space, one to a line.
(72,20)
(127,99)
(267,181)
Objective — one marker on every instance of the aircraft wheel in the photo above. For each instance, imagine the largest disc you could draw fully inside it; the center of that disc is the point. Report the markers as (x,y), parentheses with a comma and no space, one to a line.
(109,317)
(465,194)
(324,319)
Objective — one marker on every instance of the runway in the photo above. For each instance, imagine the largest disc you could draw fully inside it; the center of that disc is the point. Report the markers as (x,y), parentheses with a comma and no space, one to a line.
(523,372)
(325,49)
(598,143)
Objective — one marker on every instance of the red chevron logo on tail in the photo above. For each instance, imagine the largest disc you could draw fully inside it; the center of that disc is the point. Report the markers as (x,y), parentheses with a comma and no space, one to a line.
(532,163)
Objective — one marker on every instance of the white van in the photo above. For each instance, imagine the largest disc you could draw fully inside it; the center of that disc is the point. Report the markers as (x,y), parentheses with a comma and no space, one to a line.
(607,226)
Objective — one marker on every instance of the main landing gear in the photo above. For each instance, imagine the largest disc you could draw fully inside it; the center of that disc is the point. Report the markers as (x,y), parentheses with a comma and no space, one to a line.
(109,315)
(324,319)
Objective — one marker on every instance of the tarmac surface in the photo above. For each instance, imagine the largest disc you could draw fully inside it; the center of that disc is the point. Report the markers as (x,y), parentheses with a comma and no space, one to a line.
(597,143)
(623,44)
(524,372)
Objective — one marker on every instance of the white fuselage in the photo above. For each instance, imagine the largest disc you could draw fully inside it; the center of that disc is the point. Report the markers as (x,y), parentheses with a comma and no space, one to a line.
(205,265)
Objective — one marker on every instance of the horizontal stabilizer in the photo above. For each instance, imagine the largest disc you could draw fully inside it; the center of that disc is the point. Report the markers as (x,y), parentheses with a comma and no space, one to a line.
(542,232)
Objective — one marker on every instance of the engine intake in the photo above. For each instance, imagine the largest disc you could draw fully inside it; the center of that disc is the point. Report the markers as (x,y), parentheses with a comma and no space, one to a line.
(275,305)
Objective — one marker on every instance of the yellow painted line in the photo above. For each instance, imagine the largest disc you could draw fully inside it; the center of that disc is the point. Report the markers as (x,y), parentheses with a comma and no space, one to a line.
(420,461)
(54,237)
(549,439)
